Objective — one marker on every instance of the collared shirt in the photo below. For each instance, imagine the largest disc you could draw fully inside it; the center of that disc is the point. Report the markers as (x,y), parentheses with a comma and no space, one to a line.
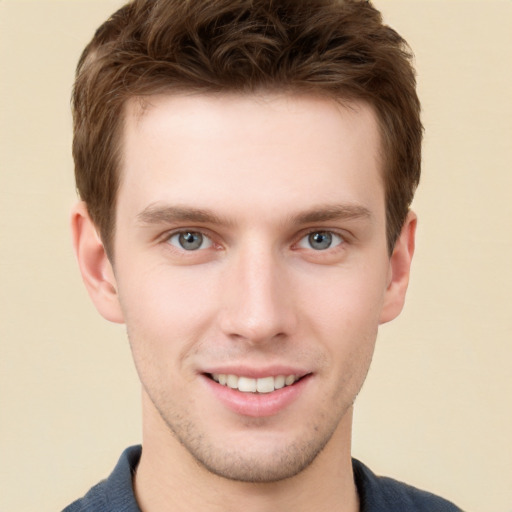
(376,494)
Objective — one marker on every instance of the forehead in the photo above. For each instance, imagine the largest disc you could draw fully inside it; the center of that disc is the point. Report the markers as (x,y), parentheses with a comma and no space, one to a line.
(250,151)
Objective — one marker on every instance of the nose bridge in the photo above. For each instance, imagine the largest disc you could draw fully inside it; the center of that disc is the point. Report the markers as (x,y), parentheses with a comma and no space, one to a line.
(257,305)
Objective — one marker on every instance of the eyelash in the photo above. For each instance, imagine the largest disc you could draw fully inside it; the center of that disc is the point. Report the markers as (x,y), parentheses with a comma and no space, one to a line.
(332,233)
(304,236)
(206,237)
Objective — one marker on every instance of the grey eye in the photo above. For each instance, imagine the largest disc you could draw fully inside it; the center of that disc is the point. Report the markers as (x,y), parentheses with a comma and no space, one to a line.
(320,240)
(190,240)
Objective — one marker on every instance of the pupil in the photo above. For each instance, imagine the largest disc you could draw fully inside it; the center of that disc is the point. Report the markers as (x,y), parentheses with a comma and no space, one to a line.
(320,240)
(191,241)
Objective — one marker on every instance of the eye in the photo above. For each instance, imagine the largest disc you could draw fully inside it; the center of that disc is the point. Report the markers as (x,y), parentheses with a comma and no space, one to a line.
(320,240)
(190,240)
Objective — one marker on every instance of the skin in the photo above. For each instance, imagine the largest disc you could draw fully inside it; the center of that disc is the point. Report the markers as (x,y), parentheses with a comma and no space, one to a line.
(254,176)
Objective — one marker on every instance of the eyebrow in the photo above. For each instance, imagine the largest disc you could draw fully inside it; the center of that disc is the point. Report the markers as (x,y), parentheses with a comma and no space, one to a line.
(325,213)
(155,214)
(167,214)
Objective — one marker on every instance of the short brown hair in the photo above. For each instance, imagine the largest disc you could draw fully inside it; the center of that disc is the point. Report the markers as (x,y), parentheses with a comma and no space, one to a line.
(336,48)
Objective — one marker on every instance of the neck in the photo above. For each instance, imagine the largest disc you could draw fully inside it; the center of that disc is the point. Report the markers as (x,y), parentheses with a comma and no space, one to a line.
(168,478)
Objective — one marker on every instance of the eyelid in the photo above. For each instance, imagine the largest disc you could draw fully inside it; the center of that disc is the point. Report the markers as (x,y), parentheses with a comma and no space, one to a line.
(205,241)
(213,238)
(166,237)
(343,236)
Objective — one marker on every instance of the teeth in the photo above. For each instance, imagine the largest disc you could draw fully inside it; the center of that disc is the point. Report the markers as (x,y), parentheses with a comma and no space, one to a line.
(289,380)
(279,382)
(232,381)
(265,385)
(248,385)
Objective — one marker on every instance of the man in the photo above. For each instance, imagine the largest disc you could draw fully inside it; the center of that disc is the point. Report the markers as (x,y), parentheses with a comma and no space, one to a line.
(246,170)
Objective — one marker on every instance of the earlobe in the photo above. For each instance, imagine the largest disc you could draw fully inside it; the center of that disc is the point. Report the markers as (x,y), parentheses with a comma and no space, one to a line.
(400,268)
(95,267)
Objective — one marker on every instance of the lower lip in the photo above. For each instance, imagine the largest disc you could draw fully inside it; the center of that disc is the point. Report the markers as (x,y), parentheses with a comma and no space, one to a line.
(256,405)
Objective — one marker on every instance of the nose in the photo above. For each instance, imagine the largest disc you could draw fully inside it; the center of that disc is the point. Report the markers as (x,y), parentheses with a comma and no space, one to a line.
(257,297)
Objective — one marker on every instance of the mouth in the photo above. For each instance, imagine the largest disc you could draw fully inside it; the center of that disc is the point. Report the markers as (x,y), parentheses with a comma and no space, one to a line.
(257,393)
(252,385)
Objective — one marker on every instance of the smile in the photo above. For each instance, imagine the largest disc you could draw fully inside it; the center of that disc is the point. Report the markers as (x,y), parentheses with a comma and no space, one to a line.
(250,385)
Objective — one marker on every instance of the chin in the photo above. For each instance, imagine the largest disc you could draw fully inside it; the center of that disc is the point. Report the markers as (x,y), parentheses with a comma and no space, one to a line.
(258,457)
(275,467)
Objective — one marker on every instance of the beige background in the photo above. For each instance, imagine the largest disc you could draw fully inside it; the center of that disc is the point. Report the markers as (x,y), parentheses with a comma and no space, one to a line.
(436,409)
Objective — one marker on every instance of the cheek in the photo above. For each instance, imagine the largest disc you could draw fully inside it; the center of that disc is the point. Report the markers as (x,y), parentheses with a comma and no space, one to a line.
(165,292)
(344,317)
(346,300)
(165,311)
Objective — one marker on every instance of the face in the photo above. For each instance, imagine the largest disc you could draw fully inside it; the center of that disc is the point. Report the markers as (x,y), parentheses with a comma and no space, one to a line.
(252,273)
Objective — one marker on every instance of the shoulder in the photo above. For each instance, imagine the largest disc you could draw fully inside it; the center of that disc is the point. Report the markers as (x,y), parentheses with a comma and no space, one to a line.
(95,500)
(381,494)
(115,494)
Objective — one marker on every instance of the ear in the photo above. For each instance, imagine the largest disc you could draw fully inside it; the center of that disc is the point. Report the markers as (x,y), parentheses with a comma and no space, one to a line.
(97,272)
(399,270)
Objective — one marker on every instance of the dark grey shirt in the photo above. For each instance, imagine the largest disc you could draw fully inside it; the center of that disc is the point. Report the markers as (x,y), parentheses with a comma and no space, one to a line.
(376,494)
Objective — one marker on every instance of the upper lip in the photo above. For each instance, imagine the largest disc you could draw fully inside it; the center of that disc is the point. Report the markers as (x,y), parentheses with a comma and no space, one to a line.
(257,373)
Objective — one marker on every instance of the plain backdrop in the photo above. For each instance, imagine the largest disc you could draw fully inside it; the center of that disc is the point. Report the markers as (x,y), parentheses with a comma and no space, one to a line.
(436,408)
